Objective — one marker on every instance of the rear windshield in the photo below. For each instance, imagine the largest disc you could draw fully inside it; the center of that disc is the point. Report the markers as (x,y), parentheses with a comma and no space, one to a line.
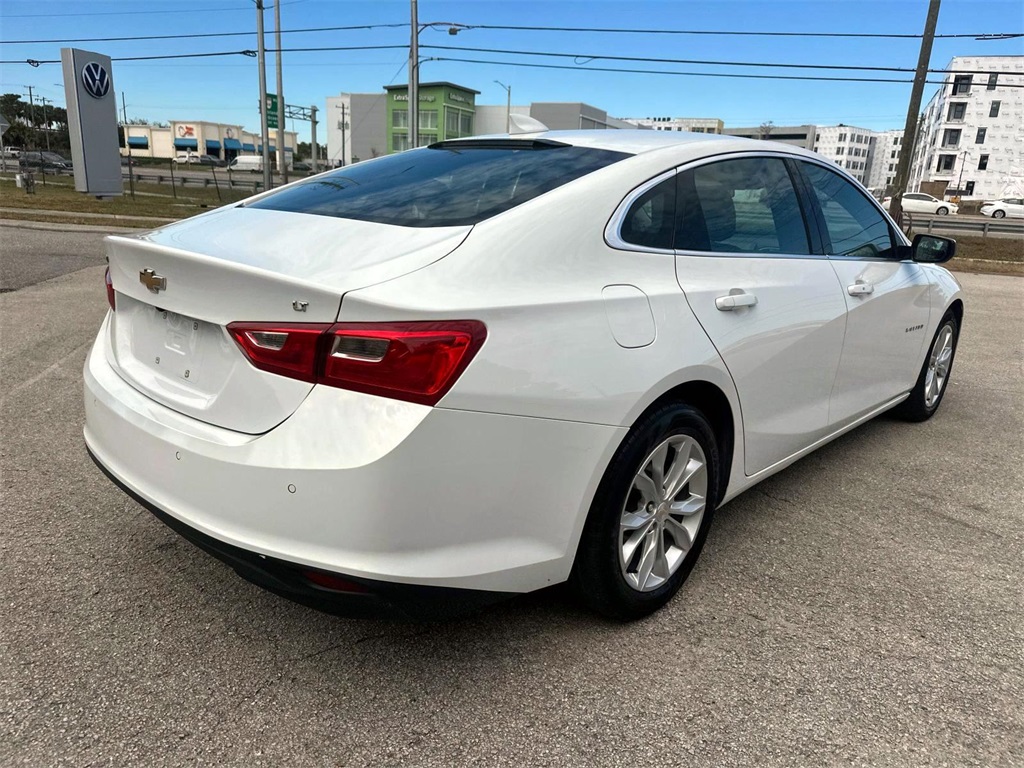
(441,186)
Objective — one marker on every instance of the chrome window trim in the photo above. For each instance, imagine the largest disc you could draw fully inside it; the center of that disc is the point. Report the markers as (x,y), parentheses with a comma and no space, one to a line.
(614,239)
(613,229)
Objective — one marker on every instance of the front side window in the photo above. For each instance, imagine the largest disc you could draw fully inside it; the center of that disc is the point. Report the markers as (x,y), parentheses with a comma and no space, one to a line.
(650,220)
(854,225)
(442,186)
(747,205)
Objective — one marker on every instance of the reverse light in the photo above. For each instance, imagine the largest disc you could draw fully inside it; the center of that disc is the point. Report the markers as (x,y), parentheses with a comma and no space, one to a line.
(414,361)
(287,349)
(110,288)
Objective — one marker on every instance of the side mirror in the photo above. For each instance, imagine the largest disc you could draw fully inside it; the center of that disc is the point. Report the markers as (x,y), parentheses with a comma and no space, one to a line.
(932,249)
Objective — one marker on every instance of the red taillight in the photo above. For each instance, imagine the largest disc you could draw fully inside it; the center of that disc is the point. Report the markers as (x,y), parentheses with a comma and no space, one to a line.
(110,288)
(418,362)
(288,349)
(414,361)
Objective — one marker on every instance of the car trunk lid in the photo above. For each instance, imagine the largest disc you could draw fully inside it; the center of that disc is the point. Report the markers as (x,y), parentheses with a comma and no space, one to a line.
(176,288)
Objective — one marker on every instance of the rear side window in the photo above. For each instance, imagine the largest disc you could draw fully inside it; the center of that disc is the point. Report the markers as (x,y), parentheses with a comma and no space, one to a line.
(747,205)
(855,226)
(650,221)
(443,186)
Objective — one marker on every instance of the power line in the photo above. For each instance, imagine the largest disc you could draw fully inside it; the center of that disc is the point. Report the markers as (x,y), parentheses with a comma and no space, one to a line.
(603,30)
(583,58)
(733,75)
(736,33)
(212,54)
(196,36)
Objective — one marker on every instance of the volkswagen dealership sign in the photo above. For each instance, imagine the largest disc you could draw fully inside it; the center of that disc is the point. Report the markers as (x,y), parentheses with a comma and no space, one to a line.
(95,80)
(92,122)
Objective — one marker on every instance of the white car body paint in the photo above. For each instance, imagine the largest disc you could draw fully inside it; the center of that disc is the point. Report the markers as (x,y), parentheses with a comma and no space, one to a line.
(490,488)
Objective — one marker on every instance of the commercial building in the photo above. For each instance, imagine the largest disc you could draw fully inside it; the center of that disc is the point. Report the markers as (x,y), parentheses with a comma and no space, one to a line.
(445,112)
(355,125)
(797,135)
(971,136)
(197,137)
(886,148)
(847,146)
(361,126)
(691,124)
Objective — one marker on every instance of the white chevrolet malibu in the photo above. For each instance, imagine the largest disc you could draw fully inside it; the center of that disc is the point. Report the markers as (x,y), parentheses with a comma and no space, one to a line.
(492,365)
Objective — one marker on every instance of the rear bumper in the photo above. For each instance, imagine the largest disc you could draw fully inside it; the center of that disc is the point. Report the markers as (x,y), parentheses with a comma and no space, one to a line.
(365,598)
(385,493)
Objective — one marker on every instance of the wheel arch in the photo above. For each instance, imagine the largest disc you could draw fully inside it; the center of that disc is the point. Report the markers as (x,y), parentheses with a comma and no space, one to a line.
(957,308)
(713,402)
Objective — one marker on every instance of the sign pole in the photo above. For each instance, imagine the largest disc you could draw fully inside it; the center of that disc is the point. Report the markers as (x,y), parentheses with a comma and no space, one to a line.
(261,56)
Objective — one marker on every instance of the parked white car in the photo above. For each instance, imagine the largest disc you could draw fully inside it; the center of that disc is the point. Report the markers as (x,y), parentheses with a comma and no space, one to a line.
(497,364)
(919,202)
(1012,207)
(187,158)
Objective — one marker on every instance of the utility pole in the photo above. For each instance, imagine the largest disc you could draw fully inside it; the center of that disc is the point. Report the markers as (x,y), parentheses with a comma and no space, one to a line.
(261,57)
(909,133)
(312,137)
(344,127)
(128,146)
(32,112)
(414,78)
(46,123)
(282,163)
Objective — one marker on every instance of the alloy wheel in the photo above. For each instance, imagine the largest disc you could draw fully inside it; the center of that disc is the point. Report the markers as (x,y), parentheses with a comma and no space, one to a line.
(939,360)
(662,513)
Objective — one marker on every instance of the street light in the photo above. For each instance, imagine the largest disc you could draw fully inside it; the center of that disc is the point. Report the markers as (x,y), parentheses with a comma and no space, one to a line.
(508,108)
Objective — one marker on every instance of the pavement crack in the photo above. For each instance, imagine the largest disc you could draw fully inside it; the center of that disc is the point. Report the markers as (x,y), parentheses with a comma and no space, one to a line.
(43,373)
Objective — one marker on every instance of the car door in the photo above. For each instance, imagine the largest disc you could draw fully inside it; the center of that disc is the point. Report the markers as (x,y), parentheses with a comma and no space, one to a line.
(887,298)
(774,311)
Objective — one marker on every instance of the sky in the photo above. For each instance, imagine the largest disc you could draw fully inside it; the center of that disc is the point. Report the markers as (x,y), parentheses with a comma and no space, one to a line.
(225,88)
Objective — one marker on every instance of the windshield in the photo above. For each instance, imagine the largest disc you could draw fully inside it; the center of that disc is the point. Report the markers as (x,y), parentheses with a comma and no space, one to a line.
(444,185)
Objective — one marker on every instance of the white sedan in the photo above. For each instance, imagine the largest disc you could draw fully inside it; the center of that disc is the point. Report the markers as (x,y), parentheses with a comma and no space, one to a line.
(492,365)
(919,202)
(1012,207)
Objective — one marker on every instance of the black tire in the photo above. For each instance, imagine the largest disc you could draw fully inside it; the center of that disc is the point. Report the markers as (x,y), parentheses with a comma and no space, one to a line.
(942,211)
(998,214)
(915,407)
(597,576)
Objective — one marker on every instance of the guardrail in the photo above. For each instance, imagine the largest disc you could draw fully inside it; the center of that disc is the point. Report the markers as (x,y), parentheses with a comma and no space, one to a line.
(954,223)
(219,180)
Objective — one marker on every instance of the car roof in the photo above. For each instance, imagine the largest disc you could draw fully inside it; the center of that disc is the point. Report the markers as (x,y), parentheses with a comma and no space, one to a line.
(636,142)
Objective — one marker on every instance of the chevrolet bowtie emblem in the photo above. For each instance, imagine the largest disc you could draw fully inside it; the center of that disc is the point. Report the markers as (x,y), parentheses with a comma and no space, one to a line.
(152,280)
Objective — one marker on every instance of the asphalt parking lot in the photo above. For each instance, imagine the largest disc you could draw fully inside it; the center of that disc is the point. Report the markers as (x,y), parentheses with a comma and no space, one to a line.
(863,607)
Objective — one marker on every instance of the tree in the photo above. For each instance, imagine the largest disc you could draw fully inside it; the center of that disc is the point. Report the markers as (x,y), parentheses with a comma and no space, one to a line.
(765,131)
(29,127)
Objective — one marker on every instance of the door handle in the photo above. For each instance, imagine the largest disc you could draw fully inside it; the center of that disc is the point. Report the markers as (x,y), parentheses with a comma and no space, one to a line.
(860,289)
(733,300)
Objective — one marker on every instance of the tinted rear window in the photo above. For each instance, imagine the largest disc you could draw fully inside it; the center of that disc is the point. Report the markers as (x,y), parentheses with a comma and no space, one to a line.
(441,186)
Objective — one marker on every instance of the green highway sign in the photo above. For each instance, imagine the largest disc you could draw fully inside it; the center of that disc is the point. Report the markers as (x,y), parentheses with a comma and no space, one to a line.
(272,110)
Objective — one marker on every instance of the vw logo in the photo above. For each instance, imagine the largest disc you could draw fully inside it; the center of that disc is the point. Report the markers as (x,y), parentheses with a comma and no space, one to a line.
(95,80)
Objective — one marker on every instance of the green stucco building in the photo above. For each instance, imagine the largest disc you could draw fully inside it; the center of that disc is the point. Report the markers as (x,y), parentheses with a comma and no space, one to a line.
(446,112)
